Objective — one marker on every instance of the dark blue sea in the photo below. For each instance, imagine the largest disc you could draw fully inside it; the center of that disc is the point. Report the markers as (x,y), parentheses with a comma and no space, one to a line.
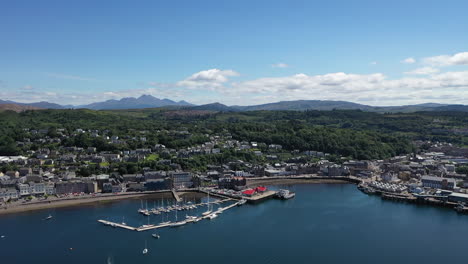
(333,223)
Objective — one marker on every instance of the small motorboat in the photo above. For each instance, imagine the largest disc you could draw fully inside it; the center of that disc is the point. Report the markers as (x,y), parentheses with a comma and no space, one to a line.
(156,236)
(145,250)
(212,216)
(48,217)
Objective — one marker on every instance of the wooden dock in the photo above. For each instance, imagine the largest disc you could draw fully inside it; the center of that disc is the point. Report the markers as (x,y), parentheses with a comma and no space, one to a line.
(260,197)
(151,227)
(113,224)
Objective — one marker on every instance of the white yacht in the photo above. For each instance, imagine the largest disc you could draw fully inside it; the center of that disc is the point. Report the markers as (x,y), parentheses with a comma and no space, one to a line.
(208,211)
(177,223)
(285,194)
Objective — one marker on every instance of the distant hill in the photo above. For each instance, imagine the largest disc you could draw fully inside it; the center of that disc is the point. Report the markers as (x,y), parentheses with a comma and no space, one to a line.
(17,108)
(459,108)
(144,101)
(214,107)
(38,105)
(327,105)
(301,105)
(46,105)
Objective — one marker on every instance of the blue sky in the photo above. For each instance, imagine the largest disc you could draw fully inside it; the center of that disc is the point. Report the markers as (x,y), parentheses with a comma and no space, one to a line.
(235,52)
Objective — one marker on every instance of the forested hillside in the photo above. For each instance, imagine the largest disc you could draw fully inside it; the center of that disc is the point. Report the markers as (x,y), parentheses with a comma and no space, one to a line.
(352,133)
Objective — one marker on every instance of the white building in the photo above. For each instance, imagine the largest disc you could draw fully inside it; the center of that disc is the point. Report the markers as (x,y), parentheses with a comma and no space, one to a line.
(50,189)
(37,188)
(23,189)
(438,182)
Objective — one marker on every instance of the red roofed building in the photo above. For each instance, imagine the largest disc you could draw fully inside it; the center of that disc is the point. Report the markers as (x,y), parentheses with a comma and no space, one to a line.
(261,189)
(248,192)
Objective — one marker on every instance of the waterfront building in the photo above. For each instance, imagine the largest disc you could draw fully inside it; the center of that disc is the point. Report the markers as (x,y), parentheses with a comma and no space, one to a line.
(157,184)
(181,180)
(37,188)
(23,189)
(8,194)
(75,187)
(438,182)
(232,182)
(272,172)
(49,188)
(101,179)
(458,197)
(335,170)
(106,187)
(117,188)
(135,187)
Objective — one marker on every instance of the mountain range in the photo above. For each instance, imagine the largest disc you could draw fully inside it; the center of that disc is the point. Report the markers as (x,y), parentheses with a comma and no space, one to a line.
(327,105)
(148,101)
(144,101)
(38,105)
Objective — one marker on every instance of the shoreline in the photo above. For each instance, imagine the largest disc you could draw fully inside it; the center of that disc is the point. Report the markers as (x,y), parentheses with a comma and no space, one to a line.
(286,181)
(80,201)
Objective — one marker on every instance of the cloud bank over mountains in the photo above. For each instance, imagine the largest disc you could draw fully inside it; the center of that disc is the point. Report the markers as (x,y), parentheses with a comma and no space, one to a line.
(433,79)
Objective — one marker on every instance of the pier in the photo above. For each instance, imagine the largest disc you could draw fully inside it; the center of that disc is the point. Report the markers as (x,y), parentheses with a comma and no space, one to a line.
(176,196)
(151,227)
(260,197)
(113,224)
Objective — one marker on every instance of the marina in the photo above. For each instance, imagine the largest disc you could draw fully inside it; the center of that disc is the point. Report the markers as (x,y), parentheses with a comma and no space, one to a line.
(177,207)
(192,219)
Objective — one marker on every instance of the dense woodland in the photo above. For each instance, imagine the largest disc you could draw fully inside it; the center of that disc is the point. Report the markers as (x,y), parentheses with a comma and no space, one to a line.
(351,133)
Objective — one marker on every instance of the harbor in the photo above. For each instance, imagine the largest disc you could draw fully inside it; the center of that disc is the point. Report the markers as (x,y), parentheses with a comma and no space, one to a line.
(313,219)
(163,207)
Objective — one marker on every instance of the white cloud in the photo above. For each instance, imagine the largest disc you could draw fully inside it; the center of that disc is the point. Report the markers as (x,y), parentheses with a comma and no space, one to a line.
(375,88)
(280,65)
(409,60)
(209,79)
(448,60)
(422,85)
(423,71)
(373,63)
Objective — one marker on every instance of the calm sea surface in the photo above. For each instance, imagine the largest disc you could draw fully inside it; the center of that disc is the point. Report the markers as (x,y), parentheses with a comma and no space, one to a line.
(323,224)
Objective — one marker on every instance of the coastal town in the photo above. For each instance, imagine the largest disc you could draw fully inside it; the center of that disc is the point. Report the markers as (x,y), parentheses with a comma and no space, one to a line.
(50,171)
